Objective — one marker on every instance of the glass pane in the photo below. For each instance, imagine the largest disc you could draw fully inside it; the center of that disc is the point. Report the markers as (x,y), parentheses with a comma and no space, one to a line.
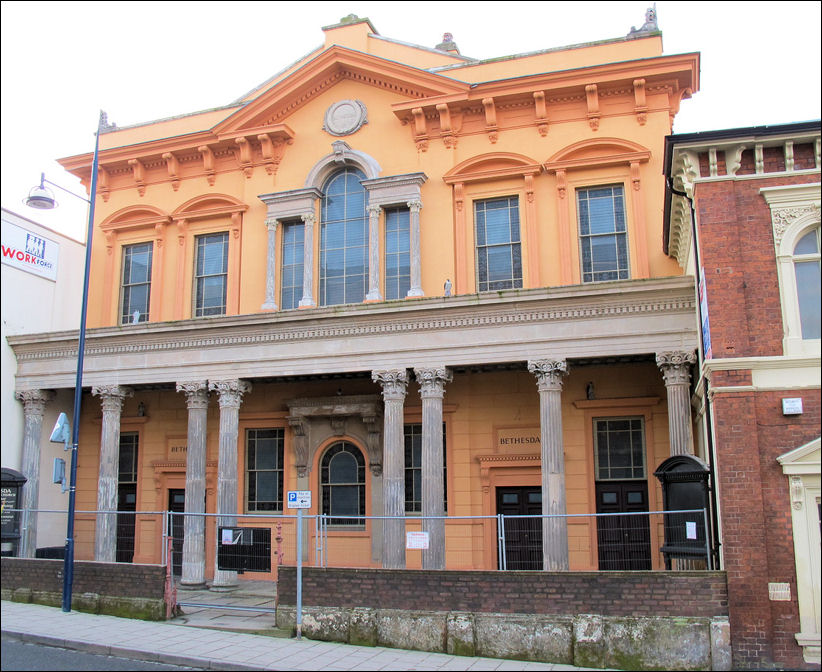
(343,468)
(345,500)
(808,293)
(808,244)
(609,498)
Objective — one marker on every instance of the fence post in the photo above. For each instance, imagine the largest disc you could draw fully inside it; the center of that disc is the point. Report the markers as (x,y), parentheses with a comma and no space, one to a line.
(299,573)
(708,558)
(501,542)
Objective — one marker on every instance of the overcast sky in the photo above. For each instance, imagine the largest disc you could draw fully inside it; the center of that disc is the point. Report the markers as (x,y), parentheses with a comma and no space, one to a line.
(62,62)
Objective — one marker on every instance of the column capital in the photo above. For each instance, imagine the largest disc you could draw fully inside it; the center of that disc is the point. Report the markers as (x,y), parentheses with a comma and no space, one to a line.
(394,383)
(432,381)
(373,209)
(112,396)
(414,206)
(34,401)
(309,218)
(676,366)
(196,392)
(231,391)
(549,373)
(271,223)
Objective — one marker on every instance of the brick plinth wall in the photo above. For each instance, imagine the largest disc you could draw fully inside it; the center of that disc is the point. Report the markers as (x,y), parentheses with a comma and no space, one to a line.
(663,594)
(751,433)
(103,578)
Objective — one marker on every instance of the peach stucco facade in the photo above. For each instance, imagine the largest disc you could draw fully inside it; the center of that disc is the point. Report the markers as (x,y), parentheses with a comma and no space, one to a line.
(520,375)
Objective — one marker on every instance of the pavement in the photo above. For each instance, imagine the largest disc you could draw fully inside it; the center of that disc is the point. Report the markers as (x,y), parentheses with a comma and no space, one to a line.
(214,638)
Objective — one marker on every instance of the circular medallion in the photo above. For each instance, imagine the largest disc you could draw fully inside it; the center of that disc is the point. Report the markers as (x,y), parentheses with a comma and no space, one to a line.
(345,117)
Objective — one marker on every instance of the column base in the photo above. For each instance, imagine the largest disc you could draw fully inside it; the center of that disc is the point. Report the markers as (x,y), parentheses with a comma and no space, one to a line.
(414,292)
(226,588)
(269,306)
(306,304)
(192,586)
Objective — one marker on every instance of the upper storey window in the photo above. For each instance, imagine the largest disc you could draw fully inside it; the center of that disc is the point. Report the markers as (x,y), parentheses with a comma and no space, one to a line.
(806,263)
(397,252)
(291,278)
(136,286)
(499,254)
(603,238)
(211,274)
(343,239)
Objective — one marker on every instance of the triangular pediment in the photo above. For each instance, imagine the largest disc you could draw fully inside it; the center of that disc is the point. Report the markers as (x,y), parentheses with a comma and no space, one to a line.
(802,460)
(275,104)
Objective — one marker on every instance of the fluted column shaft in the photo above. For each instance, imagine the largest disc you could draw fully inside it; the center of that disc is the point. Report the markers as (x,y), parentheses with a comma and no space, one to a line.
(34,406)
(549,375)
(271,266)
(308,261)
(373,254)
(105,538)
(432,389)
(676,370)
(394,384)
(194,525)
(416,260)
(231,394)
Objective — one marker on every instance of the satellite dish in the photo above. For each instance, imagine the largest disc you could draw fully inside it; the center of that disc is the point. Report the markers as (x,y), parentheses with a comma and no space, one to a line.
(62,431)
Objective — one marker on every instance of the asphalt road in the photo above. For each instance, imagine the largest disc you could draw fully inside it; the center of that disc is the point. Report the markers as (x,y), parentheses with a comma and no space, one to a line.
(16,655)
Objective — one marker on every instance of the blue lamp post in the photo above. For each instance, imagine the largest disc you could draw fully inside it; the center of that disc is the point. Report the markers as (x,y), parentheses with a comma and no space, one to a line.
(40,197)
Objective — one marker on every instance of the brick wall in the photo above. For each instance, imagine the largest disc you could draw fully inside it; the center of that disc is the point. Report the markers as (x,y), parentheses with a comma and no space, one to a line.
(103,578)
(737,252)
(751,433)
(665,594)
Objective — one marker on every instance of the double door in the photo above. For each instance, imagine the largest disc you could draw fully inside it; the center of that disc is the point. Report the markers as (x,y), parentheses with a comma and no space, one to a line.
(523,535)
(176,504)
(623,541)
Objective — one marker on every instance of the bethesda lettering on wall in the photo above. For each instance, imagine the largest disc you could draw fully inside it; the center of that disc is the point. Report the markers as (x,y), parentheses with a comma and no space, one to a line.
(29,251)
(525,439)
(177,447)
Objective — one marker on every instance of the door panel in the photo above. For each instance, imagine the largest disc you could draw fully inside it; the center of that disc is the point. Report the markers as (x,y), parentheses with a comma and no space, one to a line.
(523,536)
(624,542)
(176,504)
(126,501)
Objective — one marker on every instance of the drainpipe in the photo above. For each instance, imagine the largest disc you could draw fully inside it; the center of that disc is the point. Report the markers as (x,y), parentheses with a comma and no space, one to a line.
(705,385)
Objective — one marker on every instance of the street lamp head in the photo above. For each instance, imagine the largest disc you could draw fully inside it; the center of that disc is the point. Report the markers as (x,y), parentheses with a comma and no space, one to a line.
(41,197)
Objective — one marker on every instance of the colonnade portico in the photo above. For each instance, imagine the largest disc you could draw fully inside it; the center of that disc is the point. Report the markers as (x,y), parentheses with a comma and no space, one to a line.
(383,438)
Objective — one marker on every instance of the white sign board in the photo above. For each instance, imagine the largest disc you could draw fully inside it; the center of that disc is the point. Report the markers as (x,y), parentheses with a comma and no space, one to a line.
(690,529)
(792,406)
(416,540)
(299,499)
(29,251)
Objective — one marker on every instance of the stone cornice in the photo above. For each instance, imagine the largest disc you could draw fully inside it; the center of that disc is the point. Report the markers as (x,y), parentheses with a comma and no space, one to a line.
(562,303)
(497,327)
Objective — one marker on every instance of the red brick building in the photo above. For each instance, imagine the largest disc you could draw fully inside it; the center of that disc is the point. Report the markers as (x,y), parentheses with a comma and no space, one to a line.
(750,199)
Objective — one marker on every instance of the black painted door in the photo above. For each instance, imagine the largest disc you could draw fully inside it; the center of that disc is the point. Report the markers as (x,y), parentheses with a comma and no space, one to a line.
(624,542)
(523,536)
(126,501)
(177,504)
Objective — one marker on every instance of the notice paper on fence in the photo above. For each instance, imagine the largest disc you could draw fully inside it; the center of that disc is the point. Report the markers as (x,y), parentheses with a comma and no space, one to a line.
(690,529)
(416,540)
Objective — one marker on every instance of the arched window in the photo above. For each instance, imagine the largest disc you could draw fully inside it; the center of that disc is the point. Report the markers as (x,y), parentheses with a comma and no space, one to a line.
(806,264)
(342,482)
(343,239)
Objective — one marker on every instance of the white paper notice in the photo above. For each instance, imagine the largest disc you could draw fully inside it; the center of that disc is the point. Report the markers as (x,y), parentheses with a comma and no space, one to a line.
(228,537)
(690,530)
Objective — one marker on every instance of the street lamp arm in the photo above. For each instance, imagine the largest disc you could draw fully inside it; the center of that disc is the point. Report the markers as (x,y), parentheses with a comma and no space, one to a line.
(54,184)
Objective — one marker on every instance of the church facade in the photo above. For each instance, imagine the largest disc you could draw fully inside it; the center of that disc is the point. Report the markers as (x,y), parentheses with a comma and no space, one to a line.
(409,282)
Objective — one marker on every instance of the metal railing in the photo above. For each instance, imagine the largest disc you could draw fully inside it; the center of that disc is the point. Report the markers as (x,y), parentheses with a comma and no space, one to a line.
(646,540)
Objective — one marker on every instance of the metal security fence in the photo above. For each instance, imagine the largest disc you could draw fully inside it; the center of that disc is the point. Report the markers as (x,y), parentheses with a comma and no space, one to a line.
(256,544)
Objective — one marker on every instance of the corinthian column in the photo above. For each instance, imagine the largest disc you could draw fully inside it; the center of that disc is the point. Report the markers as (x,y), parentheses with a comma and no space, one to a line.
(194,525)
(373,254)
(676,370)
(416,263)
(105,538)
(549,375)
(394,385)
(432,384)
(34,406)
(308,261)
(271,266)
(231,393)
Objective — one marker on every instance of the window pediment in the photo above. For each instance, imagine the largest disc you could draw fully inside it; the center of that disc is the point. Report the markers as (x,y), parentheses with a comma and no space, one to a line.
(210,205)
(494,166)
(598,152)
(135,217)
